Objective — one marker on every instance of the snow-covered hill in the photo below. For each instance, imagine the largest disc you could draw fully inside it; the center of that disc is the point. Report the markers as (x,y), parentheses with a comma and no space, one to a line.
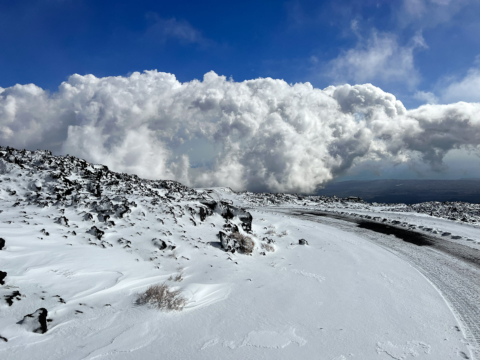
(80,242)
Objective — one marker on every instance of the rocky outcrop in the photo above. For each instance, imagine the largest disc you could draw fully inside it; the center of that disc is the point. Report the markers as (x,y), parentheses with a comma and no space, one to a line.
(228,212)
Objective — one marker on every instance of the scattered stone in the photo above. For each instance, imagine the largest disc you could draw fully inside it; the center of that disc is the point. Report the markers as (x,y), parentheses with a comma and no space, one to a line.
(96,232)
(15,295)
(87,217)
(160,244)
(36,322)
(302,242)
(62,221)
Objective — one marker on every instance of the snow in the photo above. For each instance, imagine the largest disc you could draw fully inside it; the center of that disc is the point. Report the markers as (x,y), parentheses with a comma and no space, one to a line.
(339,297)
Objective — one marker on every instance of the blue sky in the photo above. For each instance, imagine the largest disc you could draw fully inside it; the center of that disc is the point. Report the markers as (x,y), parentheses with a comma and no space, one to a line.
(431,42)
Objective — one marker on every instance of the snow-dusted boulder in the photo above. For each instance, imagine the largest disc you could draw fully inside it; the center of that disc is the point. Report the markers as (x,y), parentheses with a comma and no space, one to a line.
(62,220)
(228,212)
(96,232)
(236,242)
(163,245)
(87,217)
(36,322)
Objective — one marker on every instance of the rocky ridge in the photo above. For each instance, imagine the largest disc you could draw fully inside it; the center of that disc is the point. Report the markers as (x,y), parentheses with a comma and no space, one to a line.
(88,204)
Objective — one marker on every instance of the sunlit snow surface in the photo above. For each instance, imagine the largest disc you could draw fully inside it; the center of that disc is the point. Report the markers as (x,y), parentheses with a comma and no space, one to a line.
(340,297)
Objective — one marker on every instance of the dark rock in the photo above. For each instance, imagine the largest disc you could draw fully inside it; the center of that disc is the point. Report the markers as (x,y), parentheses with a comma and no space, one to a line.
(221,235)
(302,242)
(3,275)
(96,232)
(202,213)
(211,204)
(160,244)
(268,240)
(3,338)
(125,242)
(230,227)
(15,295)
(87,217)
(2,243)
(36,322)
(103,217)
(62,220)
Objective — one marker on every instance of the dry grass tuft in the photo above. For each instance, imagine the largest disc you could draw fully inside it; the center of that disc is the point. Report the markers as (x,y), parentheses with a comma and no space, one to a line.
(246,243)
(267,247)
(162,297)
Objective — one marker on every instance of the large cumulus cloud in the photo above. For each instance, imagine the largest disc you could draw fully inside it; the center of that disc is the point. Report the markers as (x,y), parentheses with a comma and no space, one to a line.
(261,134)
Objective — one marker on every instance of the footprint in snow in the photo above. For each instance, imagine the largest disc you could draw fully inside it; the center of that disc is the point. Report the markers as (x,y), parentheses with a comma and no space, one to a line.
(210,343)
(273,339)
(402,352)
(266,339)
(319,278)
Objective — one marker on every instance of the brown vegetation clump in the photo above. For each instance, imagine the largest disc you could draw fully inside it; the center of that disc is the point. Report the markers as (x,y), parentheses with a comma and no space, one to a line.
(245,243)
(162,297)
(267,247)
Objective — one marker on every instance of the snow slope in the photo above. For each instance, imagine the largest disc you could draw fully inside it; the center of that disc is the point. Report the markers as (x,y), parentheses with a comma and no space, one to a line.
(340,297)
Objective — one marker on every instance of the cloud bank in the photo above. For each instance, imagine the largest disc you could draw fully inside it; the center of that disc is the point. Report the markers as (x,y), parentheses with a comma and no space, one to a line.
(261,134)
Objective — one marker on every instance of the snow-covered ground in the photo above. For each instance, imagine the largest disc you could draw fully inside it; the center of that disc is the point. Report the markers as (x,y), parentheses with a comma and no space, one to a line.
(340,297)
(438,219)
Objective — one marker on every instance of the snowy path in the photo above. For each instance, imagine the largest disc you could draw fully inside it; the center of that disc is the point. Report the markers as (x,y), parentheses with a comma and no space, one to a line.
(452,269)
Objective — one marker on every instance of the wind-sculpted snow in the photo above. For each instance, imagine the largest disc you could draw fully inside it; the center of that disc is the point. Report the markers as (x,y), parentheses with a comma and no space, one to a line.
(256,135)
(79,244)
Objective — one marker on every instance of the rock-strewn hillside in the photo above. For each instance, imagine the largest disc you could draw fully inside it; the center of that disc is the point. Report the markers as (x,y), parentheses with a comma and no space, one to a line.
(65,201)
(82,250)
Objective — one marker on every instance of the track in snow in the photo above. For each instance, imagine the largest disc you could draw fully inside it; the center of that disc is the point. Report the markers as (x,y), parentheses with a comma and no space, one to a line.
(453,268)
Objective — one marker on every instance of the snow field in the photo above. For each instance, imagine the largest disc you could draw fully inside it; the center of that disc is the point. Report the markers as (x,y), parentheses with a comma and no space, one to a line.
(339,297)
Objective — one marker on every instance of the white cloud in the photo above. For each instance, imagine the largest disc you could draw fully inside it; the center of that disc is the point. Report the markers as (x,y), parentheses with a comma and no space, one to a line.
(430,13)
(426,96)
(378,59)
(466,89)
(164,29)
(261,134)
